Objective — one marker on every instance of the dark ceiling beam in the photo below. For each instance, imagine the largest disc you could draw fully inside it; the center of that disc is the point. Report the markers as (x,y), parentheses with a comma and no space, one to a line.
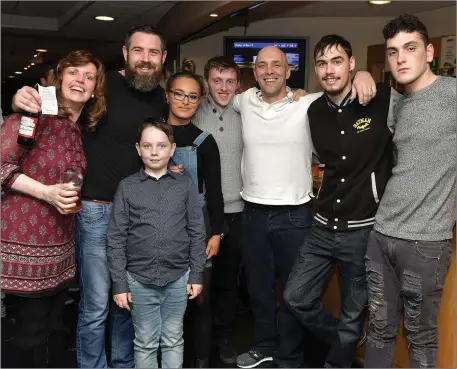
(74,12)
(246,16)
(237,18)
(27,22)
(53,37)
(13,21)
(275,9)
(178,23)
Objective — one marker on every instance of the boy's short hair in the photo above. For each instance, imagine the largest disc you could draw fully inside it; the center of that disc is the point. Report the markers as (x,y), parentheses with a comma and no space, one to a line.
(405,23)
(221,63)
(160,124)
(330,41)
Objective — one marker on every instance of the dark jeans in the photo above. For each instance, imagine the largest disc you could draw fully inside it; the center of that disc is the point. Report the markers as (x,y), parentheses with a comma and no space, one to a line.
(226,266)
(321,250)
(40,333)
(270,238)
(409,276)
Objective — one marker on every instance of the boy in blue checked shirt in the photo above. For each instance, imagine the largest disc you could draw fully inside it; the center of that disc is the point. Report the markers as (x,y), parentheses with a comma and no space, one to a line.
(156,249)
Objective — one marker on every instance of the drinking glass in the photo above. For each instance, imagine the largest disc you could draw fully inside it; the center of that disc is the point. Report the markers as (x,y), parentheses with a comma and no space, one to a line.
(75,178)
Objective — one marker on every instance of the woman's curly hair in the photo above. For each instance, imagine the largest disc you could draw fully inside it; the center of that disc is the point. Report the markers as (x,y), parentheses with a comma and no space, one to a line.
(95,108)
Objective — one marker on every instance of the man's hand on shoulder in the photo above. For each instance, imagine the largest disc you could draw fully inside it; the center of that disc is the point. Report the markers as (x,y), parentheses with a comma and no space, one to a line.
(298,93)
(177,169)
(363,87)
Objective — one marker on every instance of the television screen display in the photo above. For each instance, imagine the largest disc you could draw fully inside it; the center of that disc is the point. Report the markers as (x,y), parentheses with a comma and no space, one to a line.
(244,51)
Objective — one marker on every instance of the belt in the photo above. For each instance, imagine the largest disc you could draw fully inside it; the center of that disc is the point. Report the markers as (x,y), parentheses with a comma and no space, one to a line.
(276,207)
(97,201)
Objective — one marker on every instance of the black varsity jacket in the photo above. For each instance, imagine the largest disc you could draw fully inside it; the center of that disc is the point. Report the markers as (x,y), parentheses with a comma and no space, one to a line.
(355,144)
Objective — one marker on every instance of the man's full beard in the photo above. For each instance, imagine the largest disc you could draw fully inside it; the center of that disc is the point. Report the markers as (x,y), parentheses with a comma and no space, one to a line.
(142,83)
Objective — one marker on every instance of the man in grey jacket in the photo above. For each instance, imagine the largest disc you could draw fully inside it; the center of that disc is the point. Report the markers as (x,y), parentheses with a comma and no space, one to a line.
(217,116)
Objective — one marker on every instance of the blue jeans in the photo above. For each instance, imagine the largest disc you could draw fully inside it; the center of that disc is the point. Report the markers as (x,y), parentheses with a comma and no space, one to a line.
(158,314)
(270,238)
(321,250)
(95,289)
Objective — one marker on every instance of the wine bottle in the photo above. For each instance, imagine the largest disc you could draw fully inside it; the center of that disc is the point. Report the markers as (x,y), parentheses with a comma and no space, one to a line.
(27,129)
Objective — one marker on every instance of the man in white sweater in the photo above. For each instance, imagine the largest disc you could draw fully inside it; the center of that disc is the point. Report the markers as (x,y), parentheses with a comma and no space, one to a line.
(277,189)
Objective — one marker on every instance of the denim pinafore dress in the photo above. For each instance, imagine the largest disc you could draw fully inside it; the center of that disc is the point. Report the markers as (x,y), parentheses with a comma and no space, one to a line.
(187,157)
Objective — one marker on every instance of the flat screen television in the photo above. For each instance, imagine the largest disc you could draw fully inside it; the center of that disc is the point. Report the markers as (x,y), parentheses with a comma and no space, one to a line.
(244,50)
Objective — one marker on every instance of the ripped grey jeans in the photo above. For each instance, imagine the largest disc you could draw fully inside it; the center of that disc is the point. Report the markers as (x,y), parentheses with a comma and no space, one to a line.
(409,276)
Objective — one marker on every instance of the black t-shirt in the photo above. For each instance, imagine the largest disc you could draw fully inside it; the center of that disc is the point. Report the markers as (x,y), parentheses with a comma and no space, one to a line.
(208,172)
(110,150)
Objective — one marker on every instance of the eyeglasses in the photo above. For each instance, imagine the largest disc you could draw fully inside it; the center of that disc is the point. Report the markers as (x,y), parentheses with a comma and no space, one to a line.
(178,95)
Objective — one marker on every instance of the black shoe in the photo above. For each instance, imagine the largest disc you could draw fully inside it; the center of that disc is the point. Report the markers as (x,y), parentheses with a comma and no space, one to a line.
(251,359)
(202,363)
(226,351)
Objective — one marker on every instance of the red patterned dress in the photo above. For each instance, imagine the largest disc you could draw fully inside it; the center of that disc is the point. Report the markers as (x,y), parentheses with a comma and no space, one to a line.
(37,242)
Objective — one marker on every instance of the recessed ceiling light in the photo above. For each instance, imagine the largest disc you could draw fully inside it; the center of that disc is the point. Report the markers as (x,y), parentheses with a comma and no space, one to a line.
(380,2)
(10,76)
(104,18)
(25,68)
(41,50)
(32,63)
(17,72)
(214,15)
(35,55)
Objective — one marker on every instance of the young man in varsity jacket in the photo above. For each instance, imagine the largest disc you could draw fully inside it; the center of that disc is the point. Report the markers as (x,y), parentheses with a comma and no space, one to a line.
(355,144)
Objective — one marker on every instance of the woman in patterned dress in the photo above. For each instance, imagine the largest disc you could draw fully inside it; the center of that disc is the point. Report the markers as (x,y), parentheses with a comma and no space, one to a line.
(37,236)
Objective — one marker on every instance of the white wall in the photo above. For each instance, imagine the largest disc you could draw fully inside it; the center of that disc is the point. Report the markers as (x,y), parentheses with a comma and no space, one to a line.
(361,32)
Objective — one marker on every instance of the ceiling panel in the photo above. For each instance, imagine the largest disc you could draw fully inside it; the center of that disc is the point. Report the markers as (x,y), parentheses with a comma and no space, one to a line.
(177,19)
(37,8)
(361,8)
(126,14)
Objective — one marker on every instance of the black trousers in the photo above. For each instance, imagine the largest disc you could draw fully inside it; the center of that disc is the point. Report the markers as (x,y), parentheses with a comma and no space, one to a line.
(40,334)
(226,267)
(197,324)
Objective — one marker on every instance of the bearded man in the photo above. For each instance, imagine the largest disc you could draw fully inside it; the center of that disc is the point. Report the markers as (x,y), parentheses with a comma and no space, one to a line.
(133,95)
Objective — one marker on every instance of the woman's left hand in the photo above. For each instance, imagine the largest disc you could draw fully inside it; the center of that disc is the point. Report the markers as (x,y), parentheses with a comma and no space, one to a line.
(213,246)
(61,195)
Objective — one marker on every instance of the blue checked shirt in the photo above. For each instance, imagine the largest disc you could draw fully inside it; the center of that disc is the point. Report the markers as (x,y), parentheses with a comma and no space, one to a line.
(156,231)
